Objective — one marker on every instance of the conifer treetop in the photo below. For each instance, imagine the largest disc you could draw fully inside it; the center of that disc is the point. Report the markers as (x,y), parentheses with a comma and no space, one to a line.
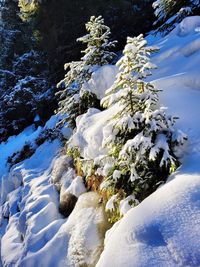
(134,66)
(98,44)
(73,99)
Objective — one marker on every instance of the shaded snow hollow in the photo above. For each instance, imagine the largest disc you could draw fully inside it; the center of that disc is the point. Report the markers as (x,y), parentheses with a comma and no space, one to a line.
(162,231)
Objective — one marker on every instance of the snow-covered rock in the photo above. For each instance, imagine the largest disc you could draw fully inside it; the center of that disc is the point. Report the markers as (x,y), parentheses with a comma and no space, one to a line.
(76,187)
(87,225)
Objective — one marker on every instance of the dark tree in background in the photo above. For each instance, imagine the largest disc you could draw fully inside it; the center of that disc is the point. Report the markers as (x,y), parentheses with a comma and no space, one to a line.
(25,90)
(171,12)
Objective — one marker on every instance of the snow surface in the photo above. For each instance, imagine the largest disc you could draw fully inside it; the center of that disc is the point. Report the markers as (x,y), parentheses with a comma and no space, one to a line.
(159,233)
(101,80)
(14,144)
(32,230)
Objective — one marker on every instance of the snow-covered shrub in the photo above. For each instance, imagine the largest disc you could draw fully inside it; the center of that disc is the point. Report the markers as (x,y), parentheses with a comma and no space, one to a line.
(25,92)
(169,12)
(72,99)
(140,139)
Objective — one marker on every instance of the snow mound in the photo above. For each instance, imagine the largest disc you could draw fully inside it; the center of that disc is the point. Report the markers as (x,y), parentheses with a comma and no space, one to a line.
(159,233)
(101,80)
(89,134)
(88,226)
(188,26)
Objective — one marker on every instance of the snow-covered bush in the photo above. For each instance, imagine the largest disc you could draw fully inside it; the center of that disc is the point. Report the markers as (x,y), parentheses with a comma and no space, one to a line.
(140,139)
(169,12)
(73,100)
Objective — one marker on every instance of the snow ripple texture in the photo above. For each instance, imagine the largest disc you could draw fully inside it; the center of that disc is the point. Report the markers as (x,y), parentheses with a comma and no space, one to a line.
(33,233)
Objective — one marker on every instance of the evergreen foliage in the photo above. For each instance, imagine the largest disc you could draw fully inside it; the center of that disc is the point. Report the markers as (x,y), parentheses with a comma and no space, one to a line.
(141,139)
(72,99)
(25,89)
(98,44)
(170,12)
(28,9)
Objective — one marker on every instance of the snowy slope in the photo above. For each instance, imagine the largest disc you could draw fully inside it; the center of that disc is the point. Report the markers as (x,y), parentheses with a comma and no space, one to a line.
(16,143)
(33,231)
(164,229)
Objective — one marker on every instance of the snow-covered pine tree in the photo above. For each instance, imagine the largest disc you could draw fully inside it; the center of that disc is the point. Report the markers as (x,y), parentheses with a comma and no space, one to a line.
(73,100)
(98,51)
(141,139)
(169,12)
(25,90)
